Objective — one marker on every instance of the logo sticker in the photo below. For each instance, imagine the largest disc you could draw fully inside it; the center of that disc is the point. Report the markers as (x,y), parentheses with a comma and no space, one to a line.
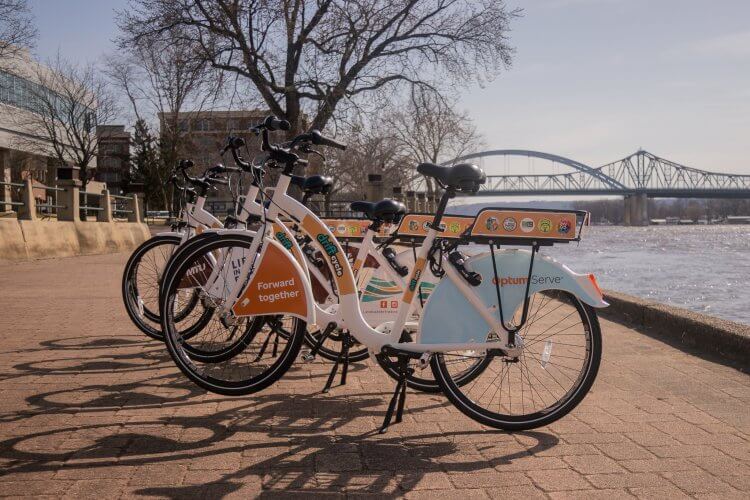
(341,228)
(527,224)
(331,251)
(492,224)
(285,242)
(509,224)
(565,226)
(545,225)
(413,225)
(455,227)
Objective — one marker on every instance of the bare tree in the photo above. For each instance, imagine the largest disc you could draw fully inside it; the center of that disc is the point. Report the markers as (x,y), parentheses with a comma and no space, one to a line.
(69,100)
(162,77)
(304,57)
(370,150)
(17,30)
(430,129)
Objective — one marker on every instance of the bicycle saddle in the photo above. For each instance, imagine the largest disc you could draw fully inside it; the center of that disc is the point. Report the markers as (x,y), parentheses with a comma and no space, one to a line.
(465,177)
(317,184)
(385,210)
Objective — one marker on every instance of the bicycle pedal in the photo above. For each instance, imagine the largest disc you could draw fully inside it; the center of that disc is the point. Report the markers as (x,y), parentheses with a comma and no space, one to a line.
(307,357)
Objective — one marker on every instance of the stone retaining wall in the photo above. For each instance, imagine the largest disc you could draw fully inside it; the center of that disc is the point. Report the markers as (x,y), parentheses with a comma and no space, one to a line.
(33,239)
(716,336)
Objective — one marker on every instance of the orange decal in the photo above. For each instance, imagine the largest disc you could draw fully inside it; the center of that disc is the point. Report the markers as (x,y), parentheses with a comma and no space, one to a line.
(526,224)
(353,228)
(417,225)
(335,256)
(275,287)
(356,266)
(282,234)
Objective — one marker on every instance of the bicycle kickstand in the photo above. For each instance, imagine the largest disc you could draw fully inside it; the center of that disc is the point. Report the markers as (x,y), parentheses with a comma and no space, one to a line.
(263,348)
(314,351)
(399,394)
(343,357)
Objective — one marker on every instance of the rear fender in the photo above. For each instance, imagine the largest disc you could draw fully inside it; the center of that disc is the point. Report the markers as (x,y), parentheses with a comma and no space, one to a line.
(449,317)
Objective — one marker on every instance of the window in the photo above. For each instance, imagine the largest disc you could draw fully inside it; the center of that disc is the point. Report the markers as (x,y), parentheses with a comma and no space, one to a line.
(203,125)
(25,94)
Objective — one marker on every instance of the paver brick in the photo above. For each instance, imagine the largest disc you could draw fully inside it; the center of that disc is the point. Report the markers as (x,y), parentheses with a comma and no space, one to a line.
(559,479)
(89,407)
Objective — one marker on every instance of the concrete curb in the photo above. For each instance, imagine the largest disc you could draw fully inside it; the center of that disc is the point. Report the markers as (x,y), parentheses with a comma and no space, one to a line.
(724,338)
(29,240)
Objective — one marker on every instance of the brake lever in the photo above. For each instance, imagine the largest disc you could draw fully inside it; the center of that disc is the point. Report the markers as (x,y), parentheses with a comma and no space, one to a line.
(315,152)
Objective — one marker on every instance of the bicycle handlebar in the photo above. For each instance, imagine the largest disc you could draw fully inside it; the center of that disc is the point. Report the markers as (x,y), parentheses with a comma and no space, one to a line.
(272,123)
(222,169)
(315,137)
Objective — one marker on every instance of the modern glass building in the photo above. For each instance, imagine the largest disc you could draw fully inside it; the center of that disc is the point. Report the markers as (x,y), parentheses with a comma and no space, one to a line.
(24,149)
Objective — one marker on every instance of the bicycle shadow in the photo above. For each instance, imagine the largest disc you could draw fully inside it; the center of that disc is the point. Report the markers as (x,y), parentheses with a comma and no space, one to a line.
(309,432)
(297,441)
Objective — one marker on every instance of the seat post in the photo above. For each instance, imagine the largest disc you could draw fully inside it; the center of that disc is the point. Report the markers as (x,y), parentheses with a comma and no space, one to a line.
(447,195)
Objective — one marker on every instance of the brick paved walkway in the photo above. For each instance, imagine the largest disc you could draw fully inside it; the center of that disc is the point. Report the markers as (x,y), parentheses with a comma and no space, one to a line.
(90,408)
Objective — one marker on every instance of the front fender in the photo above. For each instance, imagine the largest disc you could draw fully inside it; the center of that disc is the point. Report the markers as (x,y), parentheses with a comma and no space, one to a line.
(450,318)
(170,233)
(278,285)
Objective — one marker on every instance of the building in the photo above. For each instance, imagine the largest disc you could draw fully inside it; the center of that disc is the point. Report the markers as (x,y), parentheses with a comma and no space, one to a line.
(113,158)
(203,134)
(24,149)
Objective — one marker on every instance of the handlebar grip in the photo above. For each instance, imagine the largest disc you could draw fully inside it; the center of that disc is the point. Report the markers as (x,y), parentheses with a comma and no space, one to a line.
(272,123)
(321,140)
(233,143)
(220,169)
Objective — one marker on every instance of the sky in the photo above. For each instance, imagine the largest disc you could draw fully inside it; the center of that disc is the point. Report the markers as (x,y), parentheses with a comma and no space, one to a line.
(592,80)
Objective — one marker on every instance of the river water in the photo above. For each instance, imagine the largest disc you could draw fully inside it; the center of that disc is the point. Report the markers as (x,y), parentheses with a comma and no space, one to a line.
(703,268)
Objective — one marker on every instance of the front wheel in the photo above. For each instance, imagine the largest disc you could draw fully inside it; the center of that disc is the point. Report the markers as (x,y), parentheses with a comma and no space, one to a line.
(140,282)
(562,348)
(238,356)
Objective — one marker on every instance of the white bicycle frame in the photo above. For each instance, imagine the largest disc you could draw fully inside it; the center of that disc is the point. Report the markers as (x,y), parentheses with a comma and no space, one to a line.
(349,306)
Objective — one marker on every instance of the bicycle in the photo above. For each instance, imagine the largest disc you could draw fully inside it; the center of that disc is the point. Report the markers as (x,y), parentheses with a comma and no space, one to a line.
(380,271)
(143,271)
(489,315)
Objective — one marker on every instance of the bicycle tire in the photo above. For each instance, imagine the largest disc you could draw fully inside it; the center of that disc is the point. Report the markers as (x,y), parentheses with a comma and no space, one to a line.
(544,416)
(129,287)
(200,375)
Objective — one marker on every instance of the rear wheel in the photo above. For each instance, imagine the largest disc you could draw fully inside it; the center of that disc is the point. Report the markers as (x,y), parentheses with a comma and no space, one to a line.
(560,359)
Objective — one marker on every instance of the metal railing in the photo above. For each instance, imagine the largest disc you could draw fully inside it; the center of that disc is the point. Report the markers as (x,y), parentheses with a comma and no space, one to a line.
(120,204)
(66,203)
(6,196)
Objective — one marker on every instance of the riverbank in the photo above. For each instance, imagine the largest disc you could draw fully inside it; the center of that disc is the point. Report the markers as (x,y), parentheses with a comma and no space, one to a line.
(682,327)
